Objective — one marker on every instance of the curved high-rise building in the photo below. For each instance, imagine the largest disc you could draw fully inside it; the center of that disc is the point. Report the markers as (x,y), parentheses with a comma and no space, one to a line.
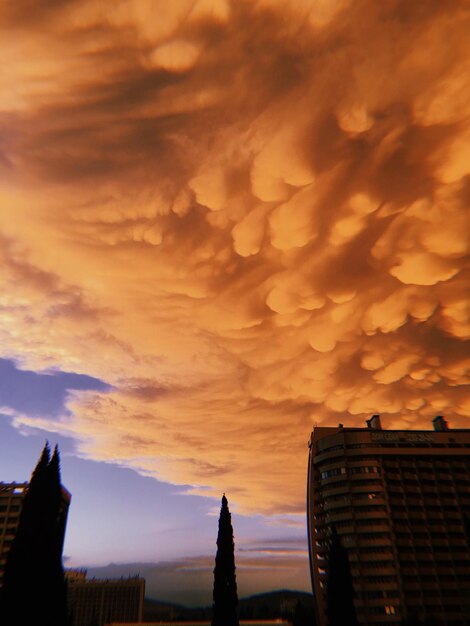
(400,502)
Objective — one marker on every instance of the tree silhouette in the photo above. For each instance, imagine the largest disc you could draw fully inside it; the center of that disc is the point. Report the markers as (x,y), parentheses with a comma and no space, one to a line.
(58,589)
(301,615)
(224,608)
(339,587)
(34,589)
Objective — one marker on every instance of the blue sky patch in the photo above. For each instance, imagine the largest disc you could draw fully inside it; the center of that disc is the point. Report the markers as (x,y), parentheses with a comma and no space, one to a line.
(41,394)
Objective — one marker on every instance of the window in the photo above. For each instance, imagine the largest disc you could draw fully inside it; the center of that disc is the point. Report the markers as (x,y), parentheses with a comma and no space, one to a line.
(337,498)
(371,522)
(376,564)
(376,550)
(378,610)
(341,510)
(378,593)
(371,482)
(343,523)
(368,469)
(369,508)
(399,508)
(333,472)
(334,486)
(375,536)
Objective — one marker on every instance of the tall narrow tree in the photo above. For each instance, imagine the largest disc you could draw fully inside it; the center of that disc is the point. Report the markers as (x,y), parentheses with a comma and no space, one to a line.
(55,536)
(224,608)
(339,586)
(33,590)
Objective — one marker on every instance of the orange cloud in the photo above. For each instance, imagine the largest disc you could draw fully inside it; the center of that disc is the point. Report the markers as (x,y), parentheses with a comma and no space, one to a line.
(247,217)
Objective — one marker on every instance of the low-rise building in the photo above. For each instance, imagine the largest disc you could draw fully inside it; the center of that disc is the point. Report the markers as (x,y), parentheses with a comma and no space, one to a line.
(95,602)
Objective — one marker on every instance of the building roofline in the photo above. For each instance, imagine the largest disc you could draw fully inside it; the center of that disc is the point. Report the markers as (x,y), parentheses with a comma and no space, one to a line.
(391,430)
(439,425)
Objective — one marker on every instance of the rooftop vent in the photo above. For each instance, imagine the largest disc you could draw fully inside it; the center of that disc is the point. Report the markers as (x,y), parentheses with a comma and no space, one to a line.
(374,423)
(440,424)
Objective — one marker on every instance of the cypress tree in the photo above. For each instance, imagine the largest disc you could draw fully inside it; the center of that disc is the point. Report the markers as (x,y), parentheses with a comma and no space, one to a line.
(57,585)
(339,587)
(224,608)
(33,590)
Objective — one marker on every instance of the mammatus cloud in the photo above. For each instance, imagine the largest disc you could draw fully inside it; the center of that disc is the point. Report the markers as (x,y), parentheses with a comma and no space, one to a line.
(247,217)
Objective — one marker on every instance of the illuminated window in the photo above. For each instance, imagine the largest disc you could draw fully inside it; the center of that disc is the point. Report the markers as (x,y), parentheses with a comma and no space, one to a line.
(389,610)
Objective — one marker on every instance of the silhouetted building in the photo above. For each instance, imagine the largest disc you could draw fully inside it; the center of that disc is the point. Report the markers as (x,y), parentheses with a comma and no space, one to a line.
(11,503)
(97,602)
(400,502)
(11,500)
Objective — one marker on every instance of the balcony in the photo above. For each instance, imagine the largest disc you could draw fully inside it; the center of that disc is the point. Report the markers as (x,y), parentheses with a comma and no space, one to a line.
(374,541)
(333,490)
(399,515)
(338,504)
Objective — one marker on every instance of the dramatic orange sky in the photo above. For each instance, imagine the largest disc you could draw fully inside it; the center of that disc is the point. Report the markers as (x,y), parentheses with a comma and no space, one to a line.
(247,217)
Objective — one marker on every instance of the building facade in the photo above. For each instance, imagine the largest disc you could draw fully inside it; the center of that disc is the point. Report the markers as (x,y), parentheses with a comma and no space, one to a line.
(400,502)
(97,602)
(11,503)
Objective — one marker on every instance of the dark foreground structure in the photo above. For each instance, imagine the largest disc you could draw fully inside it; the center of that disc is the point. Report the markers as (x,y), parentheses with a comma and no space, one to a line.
(33,588)
(399,501)
(224,609)
(11,504)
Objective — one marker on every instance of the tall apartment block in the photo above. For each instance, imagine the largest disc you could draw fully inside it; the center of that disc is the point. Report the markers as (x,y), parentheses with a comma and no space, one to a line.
(400,502)
(100,602)
(11,503)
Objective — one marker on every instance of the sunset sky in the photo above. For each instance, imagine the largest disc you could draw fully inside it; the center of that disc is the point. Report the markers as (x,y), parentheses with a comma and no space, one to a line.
(222,223)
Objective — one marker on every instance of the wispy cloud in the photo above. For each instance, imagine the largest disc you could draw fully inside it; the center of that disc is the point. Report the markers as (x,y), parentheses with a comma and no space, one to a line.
(189,581)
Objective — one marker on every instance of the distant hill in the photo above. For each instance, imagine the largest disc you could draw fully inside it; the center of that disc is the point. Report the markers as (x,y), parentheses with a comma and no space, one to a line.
(156,611)
(282,603)
(297,606)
